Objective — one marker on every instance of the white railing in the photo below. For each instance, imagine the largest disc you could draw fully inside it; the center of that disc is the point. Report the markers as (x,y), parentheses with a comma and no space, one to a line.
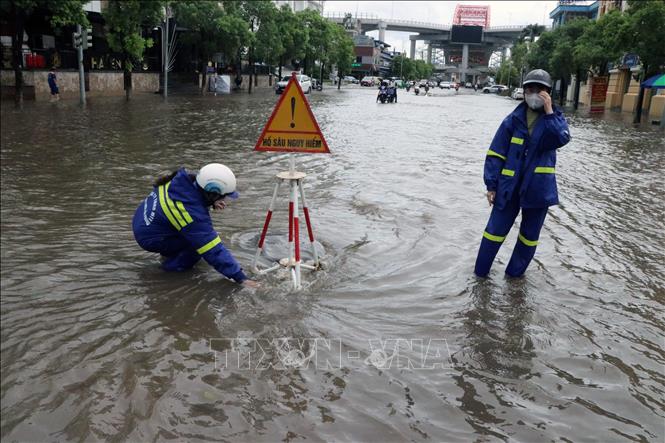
(415,23)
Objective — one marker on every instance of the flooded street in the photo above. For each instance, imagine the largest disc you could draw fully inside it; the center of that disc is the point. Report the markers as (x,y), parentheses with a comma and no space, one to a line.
(402,342)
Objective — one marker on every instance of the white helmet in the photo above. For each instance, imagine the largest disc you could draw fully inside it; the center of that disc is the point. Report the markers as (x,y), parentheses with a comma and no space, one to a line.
(215,177)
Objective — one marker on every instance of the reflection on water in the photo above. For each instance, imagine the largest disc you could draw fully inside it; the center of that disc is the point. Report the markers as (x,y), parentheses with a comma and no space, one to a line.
(98,343)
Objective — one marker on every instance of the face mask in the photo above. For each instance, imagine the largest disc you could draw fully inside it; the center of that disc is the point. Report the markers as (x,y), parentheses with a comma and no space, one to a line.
(534,101)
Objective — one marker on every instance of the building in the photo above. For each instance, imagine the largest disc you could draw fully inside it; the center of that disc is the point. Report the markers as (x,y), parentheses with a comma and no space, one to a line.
(373,56)
(571,10)
(301,5)
(608,5)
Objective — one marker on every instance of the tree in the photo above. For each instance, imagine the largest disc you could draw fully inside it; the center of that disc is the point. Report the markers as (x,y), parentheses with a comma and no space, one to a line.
(293,37)
(644,33)
(60,13)
(259,16)
(341,54)
(125,20)
(319,36)
(212,29)
(269,46)
(531,31)
(507,73)
(423,70)
(599,43)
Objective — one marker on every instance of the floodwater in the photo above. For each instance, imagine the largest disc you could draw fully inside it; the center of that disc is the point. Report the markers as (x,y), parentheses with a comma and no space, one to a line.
(394,340)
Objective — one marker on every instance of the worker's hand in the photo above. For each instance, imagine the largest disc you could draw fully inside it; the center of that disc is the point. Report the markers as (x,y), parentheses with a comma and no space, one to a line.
(491,195)
(219,204)
(251,284)
(547,102)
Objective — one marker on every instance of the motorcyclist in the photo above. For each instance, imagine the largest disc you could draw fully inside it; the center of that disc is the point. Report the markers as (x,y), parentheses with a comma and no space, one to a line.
(383,90)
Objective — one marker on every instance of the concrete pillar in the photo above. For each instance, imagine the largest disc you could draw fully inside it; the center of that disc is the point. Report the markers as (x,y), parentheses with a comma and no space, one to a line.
(412,53)
(382,31)
(465,63)
(429,53)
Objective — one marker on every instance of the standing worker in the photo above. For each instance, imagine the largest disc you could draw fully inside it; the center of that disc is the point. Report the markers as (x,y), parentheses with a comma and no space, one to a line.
(174,220)
(53,86)
(519,173)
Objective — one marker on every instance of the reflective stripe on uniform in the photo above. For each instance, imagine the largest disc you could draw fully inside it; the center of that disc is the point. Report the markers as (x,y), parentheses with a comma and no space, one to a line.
(491,153)
(165,208)
(495,238)
(208,246)
(183,211)
(526,241)
(508,172)
(517,140)
(174,210)
(544,170)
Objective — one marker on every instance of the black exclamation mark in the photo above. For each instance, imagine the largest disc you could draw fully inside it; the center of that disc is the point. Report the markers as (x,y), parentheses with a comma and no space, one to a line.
(293,111)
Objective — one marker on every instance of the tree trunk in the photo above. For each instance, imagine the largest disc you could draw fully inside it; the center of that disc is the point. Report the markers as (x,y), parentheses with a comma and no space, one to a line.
(17,56)
(127,78)
(577,89)
(281,62)
(640,97)
(562,90)
(251,71)
(339,78)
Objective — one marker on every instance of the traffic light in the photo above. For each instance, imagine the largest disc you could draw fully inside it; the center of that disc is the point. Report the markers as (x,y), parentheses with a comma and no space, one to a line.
(76,39)
(86,38)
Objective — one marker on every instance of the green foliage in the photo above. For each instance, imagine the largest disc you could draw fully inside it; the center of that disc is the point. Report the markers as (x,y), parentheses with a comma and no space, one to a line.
(59,13)
(600,44)
(293,36)
(532,31)
(644,33)
(124,21)
(341,53)
(583,44)
(507,74)
(319,35)
(424,70)
(213,28)
(407,69)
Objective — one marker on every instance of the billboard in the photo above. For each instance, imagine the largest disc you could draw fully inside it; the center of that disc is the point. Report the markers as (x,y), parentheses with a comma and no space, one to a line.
(472,15)
(466,34)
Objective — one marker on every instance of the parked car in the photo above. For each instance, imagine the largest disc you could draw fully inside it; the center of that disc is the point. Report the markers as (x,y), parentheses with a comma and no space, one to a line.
(304,80)
(494,89)
(518,94)
(468,85)
(444,85)
(370,81)
(351,79)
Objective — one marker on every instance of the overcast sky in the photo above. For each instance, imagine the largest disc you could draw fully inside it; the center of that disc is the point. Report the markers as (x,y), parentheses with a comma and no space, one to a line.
(502,13)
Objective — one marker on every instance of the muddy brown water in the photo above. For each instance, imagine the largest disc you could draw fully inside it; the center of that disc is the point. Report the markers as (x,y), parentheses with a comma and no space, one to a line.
(395,340)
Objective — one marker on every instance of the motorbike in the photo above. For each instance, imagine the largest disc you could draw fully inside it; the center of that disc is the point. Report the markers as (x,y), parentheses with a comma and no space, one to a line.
(392,94)
(416,90)
(383,94)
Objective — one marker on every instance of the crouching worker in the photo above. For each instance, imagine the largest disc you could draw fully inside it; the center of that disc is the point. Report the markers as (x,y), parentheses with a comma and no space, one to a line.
(520,174)
(174,220)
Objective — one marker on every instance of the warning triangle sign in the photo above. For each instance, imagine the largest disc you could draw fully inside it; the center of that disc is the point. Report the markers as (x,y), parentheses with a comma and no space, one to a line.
(292,126)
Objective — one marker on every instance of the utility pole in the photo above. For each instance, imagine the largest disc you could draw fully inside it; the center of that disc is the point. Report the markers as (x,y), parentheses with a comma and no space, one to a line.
(77,36)
(166,53)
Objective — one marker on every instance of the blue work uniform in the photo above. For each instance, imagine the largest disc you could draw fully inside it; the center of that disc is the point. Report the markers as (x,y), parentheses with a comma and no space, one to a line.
(174,221)
(520,168)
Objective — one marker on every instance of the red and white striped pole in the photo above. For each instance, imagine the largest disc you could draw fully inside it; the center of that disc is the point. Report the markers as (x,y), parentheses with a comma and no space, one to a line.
(296,234)
(310,231)
(262,240)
